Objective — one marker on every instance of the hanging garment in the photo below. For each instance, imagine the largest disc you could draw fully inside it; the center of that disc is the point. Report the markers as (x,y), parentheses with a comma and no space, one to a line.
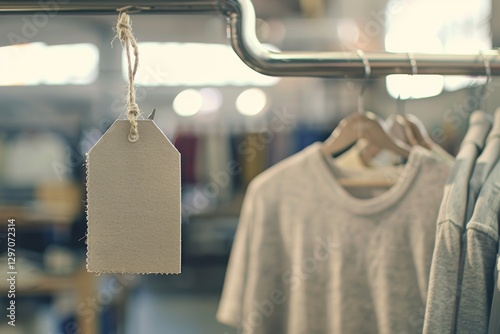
(187,144)
(280,147)
(253,156)
(384,158)
(480,243)
(494,322)
(482,168)
(445,271)
(480,255)
(494,326)
(215,155)
(310,258)
(305,135)
(352,167)
(236,141)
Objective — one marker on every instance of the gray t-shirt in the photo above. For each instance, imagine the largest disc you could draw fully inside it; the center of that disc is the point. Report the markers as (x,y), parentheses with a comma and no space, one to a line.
(482,168)
(494,326)
(446,260)
(480,255)
(310,258)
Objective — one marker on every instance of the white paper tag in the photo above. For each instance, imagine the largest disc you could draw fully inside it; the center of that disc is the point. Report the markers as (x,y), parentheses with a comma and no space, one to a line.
(134,202)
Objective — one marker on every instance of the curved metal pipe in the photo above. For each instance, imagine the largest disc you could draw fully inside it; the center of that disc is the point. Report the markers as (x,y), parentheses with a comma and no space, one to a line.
(340,64)
(241,25)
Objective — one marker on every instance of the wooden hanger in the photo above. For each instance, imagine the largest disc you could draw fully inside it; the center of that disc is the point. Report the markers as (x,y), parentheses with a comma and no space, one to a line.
(366,126)
(484,90)
(405,127)
(408,128)
(363,125)
(495,129)
(414,128)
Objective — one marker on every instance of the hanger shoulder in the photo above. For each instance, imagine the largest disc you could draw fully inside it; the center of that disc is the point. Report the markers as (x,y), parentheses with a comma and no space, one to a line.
(418,132)
(367,126)
(344,135)
(378,136)
(495,129)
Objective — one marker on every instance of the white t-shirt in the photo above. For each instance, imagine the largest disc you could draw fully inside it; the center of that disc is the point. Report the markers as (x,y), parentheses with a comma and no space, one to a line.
(309,257)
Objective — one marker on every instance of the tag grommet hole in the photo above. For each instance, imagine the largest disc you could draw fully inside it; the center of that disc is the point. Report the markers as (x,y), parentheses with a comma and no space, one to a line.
(133,137)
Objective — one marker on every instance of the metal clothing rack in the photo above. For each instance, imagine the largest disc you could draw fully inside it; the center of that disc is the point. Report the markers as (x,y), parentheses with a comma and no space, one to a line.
(240,16)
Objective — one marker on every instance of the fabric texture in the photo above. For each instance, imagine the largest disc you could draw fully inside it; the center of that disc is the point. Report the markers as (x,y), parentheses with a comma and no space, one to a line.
(188,145)
(494,323)
(310,258)
(445,270)
(480,256)
(480,242)
(482,168)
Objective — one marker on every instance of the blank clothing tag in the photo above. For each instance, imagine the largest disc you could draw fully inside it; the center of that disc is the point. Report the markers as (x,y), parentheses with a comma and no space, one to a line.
(133,196)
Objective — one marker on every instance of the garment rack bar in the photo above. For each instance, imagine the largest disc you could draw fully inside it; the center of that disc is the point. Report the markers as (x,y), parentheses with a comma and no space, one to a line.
(240,16)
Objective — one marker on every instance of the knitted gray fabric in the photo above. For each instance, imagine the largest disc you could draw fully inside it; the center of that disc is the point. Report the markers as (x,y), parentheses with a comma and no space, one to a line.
(446,261)
(480,257)
(310,258)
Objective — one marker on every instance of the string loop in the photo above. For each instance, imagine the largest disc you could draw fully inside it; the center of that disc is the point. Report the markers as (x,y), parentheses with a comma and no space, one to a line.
(127,39)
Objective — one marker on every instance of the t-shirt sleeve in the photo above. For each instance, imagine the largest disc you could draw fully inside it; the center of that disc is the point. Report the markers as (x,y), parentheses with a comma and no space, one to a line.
(443,280)
(477,284)
(230,310)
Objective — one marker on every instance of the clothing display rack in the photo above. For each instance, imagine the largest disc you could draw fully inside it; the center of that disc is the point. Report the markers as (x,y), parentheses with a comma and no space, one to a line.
(241,23)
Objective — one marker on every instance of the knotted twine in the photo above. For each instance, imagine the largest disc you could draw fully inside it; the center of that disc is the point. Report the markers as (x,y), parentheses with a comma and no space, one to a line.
(127,39)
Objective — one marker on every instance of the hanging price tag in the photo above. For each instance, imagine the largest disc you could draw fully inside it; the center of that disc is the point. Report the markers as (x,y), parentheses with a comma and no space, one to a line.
(133,195)
(133,189)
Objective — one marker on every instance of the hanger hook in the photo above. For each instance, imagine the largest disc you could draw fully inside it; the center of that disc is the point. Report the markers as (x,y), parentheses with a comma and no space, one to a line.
(414,67)
(487,69)
(413,63)
(368,72)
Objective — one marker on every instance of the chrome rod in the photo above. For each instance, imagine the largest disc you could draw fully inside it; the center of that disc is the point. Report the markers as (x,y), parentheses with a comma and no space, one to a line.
(107,7)
(241,24)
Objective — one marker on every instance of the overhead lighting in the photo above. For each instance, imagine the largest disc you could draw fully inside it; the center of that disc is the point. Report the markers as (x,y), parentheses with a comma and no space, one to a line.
(415,87)
(459,28)
(188,102)
(194,64)
(251,102)
(409,86)
(39,64)
(212,99)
